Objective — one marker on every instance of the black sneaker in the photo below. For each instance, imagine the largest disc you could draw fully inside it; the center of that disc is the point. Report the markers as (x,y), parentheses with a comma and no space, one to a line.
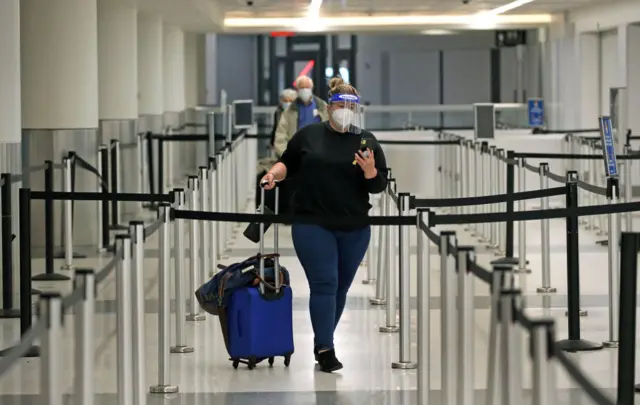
(328,361)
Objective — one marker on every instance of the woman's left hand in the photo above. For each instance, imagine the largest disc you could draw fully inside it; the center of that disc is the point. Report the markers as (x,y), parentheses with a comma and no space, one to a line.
(367,163)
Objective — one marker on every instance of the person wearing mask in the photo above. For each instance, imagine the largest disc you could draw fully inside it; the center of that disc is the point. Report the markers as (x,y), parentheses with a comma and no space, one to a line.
(337,165)
(306,109)
(287,96)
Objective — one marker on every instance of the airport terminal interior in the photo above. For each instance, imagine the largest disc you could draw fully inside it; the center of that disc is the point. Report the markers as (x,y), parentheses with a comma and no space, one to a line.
(152,249)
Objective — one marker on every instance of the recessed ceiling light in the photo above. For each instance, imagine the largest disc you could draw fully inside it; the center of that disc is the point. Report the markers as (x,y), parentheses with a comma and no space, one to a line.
(438,32)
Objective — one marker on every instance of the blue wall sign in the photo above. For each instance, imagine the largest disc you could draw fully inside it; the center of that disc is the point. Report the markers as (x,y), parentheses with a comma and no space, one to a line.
(536,112)
(608,147)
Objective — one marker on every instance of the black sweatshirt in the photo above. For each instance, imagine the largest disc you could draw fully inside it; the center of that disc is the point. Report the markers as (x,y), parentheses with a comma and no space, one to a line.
(328,182)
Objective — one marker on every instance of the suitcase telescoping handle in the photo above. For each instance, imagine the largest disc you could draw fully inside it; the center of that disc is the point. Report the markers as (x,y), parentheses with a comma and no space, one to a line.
(276,260)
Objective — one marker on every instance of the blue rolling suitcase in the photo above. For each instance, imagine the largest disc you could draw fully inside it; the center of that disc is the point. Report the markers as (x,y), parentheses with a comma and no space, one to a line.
(260,318)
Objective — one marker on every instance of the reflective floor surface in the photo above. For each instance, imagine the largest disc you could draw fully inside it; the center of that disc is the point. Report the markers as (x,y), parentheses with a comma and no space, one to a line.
(207,377)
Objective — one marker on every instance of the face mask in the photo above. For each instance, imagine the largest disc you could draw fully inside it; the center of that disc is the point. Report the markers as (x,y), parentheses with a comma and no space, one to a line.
(285,105)
(304,94)
(343,117)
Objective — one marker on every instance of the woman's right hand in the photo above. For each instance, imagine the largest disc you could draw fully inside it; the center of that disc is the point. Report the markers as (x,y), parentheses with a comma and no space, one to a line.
(268,181)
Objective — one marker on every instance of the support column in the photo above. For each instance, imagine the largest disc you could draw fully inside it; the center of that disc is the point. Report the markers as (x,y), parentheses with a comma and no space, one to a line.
(195,90)
(150,77)
(589,81)
(178,155)
(633,80)
(59,50)
(118,86)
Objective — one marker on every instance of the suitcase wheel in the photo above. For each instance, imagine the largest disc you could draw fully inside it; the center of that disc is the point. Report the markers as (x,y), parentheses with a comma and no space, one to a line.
(287,360)
(252,363)
(271,360)
(235,363)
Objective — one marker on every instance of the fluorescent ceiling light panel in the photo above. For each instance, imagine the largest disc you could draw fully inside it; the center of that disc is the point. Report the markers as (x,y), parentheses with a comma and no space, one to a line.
(508,7)
(438,32)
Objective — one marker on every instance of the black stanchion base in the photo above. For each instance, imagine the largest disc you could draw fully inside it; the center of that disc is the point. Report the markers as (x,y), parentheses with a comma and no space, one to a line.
(34,351)
(118,227)
(50,277)
(76,255)
(580,345)
(507,260)
(9,313)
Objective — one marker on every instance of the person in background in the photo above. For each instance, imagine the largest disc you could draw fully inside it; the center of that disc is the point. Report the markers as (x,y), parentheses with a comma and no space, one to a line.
(337,165)
(287,96)
(306,109)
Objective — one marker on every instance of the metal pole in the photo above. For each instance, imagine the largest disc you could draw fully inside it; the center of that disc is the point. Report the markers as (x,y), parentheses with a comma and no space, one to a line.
(140,163)
(84,346)
(522,227)
(391,325)
(368,263)
(628,188)
(68,218)
(614,263)
(123,321)
(136,230)
(219,205)
(51,367)
(101,149)
(473,209)
(205,268)
(194,199)
(493,189)
(405,362)
(212,247)
(541,367)
(466,327)
(424,319)
(118,173)
(501,230)
(178,257)
(448,319)
(383,253)
(545,234)
(509,360)
(163,386)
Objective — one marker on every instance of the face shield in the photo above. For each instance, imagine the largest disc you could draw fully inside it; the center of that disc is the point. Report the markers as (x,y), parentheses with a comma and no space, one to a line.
(346,113)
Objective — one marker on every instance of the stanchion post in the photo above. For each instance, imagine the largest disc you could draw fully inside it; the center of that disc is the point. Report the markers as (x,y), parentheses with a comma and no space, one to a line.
(424,307)
(103,166)
(68,217)
(509,356)
(543,170)
(136,230)
(368,262)
(115,182)
(630,246)
(51,386)
(213,207)
(628,188)
(219,204)
(404,361)
(614,263)
(178,257)
(448,318)
(124,321)
(391,325)
(203,179)
(466,328)
(574,343)
(194,199)
(163,386)
(542,371)
(383,253)
(7,311)
(522,227)
(84,346)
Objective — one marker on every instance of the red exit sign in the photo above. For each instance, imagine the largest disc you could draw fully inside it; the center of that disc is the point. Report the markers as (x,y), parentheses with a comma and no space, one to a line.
(282,34)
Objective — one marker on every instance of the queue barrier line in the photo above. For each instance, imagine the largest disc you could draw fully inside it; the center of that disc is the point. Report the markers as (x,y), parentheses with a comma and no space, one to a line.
(489,199)
(95,196)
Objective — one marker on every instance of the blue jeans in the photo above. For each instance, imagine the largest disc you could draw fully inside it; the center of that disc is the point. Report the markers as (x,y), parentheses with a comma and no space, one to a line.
(330,260)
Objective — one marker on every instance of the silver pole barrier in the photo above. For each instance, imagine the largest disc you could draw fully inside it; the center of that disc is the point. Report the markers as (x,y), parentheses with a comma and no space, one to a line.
(84,347)
(628,188)
(485,168)
(448,318)
(501,227)
(501,278)
(140,163)
(592,197)
(145,163)
(123,321)
(443,171)
(466,315)
(383,254)
(178,260)
(101,150)
(473,209)
(203,247)
(194,315)
(424,307)
(370,255)
(461,171)
(493,189)
(467,176)
(614,264)
(219,232)
(545,234)
(163,386)
(404,355)
(136,230)
(391,325)
(68,218)
(116,146)
(542,371)
(509,363)
(51,367)
(522,227)
(212,247)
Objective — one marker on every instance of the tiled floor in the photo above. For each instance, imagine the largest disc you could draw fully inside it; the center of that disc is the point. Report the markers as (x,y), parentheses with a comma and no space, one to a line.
(206,376)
